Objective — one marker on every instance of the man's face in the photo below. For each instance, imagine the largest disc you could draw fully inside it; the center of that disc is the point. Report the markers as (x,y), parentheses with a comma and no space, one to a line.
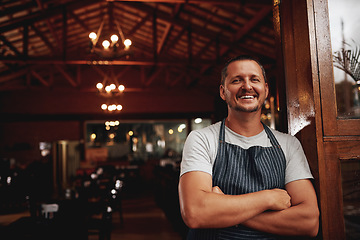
(244,89)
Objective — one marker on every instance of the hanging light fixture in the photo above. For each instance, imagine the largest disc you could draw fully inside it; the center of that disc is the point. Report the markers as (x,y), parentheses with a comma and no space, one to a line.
(110,86)
(111,107)
(110,45)
(111,90)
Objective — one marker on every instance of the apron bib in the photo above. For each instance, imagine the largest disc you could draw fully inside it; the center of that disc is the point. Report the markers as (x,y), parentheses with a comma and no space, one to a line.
(239,171)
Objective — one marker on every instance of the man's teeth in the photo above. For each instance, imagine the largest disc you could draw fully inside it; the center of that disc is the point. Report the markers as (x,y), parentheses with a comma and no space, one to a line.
(247,97)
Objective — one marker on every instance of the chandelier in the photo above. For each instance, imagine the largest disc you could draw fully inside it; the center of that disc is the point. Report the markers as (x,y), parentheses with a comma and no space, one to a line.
(106,42)
(111,107)
(111,90)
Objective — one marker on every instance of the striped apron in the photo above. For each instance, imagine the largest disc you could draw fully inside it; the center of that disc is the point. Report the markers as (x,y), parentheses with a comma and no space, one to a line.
(239,171)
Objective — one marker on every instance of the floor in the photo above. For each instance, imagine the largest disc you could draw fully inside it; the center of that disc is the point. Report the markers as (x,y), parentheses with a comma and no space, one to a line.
(143,219)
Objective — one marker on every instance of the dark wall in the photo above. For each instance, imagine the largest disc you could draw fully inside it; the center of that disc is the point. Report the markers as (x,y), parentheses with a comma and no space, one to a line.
(33,116)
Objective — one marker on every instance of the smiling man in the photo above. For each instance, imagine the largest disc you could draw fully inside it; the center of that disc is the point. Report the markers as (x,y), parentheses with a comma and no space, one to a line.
(240,179)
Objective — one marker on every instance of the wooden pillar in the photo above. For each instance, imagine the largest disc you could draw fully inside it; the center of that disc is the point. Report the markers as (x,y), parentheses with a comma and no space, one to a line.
(303,101)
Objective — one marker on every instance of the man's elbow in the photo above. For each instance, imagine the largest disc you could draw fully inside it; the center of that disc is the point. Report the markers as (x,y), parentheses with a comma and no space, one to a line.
(191,218)
(313,224)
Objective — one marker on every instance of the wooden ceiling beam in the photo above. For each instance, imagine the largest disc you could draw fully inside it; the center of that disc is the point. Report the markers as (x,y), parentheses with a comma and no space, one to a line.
(48,61)
(176,11)
(48,23)
(246,29)
(7,43)
(139,24)
(154,34)
(175,40)
(218,2)
(44,39)
(99,71)
(263,13)
(164,37)
(153,76)
(66,75)
(13,75)
(189,10)
(78,21)
(122,72)
(43,15)
(73,5)
(18,8)
(179,22)
(177,79)
(40,78)
(189,44)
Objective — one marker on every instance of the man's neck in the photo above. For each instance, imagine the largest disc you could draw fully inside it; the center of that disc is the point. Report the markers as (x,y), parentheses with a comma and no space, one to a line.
(245,124)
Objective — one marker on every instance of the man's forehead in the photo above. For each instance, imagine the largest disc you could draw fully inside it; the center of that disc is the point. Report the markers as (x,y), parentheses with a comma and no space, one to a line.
(251,66)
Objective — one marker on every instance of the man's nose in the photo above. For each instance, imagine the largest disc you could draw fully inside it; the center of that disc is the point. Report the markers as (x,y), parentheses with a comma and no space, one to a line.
(247,85)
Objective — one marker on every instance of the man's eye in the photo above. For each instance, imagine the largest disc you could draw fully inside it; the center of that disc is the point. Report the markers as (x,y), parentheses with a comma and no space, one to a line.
(235,80)
(256,80)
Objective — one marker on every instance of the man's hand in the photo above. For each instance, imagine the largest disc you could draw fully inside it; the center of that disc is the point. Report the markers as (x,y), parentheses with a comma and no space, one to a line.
(280,199)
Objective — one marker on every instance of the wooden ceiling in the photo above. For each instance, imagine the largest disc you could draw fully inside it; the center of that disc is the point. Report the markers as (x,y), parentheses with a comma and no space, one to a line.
(175,43)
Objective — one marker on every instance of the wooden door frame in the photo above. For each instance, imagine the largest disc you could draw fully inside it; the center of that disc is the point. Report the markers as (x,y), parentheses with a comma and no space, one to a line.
(311,104)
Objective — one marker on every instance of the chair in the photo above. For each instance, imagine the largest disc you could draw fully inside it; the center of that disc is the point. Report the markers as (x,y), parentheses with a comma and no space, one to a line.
(101,224)
(49,210)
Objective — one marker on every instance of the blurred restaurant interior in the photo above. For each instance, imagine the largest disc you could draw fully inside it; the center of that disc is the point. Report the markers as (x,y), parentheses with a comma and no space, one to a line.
(97,98)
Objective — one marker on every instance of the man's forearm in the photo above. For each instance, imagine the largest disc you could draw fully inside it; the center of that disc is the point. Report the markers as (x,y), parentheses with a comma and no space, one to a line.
(301,220)
(202,207)
(219,211)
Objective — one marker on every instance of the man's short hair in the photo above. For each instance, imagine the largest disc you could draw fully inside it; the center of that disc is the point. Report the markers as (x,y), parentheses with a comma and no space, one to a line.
(224,72)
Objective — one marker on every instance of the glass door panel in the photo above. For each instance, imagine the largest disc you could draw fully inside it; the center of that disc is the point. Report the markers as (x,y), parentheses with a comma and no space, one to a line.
(350,172)
(345,40)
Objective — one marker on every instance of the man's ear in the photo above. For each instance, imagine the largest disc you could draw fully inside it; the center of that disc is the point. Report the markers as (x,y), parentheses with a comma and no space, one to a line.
(266,90)
(222,92)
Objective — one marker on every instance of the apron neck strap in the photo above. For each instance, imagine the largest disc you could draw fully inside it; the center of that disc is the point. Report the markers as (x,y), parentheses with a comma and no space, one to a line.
(269,133)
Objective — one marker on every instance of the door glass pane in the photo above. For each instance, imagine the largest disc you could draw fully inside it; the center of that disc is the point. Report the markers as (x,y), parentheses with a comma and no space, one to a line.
(350,172)
(345,40)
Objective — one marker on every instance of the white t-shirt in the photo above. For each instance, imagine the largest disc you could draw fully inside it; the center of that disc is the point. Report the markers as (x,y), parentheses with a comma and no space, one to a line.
(201,147)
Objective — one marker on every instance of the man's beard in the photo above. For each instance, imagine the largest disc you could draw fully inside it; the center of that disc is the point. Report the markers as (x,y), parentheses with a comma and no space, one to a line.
(243,109)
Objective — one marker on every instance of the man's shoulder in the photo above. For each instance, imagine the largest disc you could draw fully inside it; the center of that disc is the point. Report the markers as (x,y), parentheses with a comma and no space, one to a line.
(210,130)
(285,139)
(280,134)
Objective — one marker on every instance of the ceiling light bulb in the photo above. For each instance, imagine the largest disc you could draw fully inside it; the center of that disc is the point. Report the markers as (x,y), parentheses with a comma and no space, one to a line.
(92,36)
(119,107)
(106,44)
(99,86)
(114,38)
(112,86)
(104,106)
(108,89)
(121,88)
(127,43)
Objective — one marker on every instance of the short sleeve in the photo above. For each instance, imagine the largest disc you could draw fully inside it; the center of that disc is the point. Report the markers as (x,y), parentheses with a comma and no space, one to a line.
(195,155)
(297,166)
